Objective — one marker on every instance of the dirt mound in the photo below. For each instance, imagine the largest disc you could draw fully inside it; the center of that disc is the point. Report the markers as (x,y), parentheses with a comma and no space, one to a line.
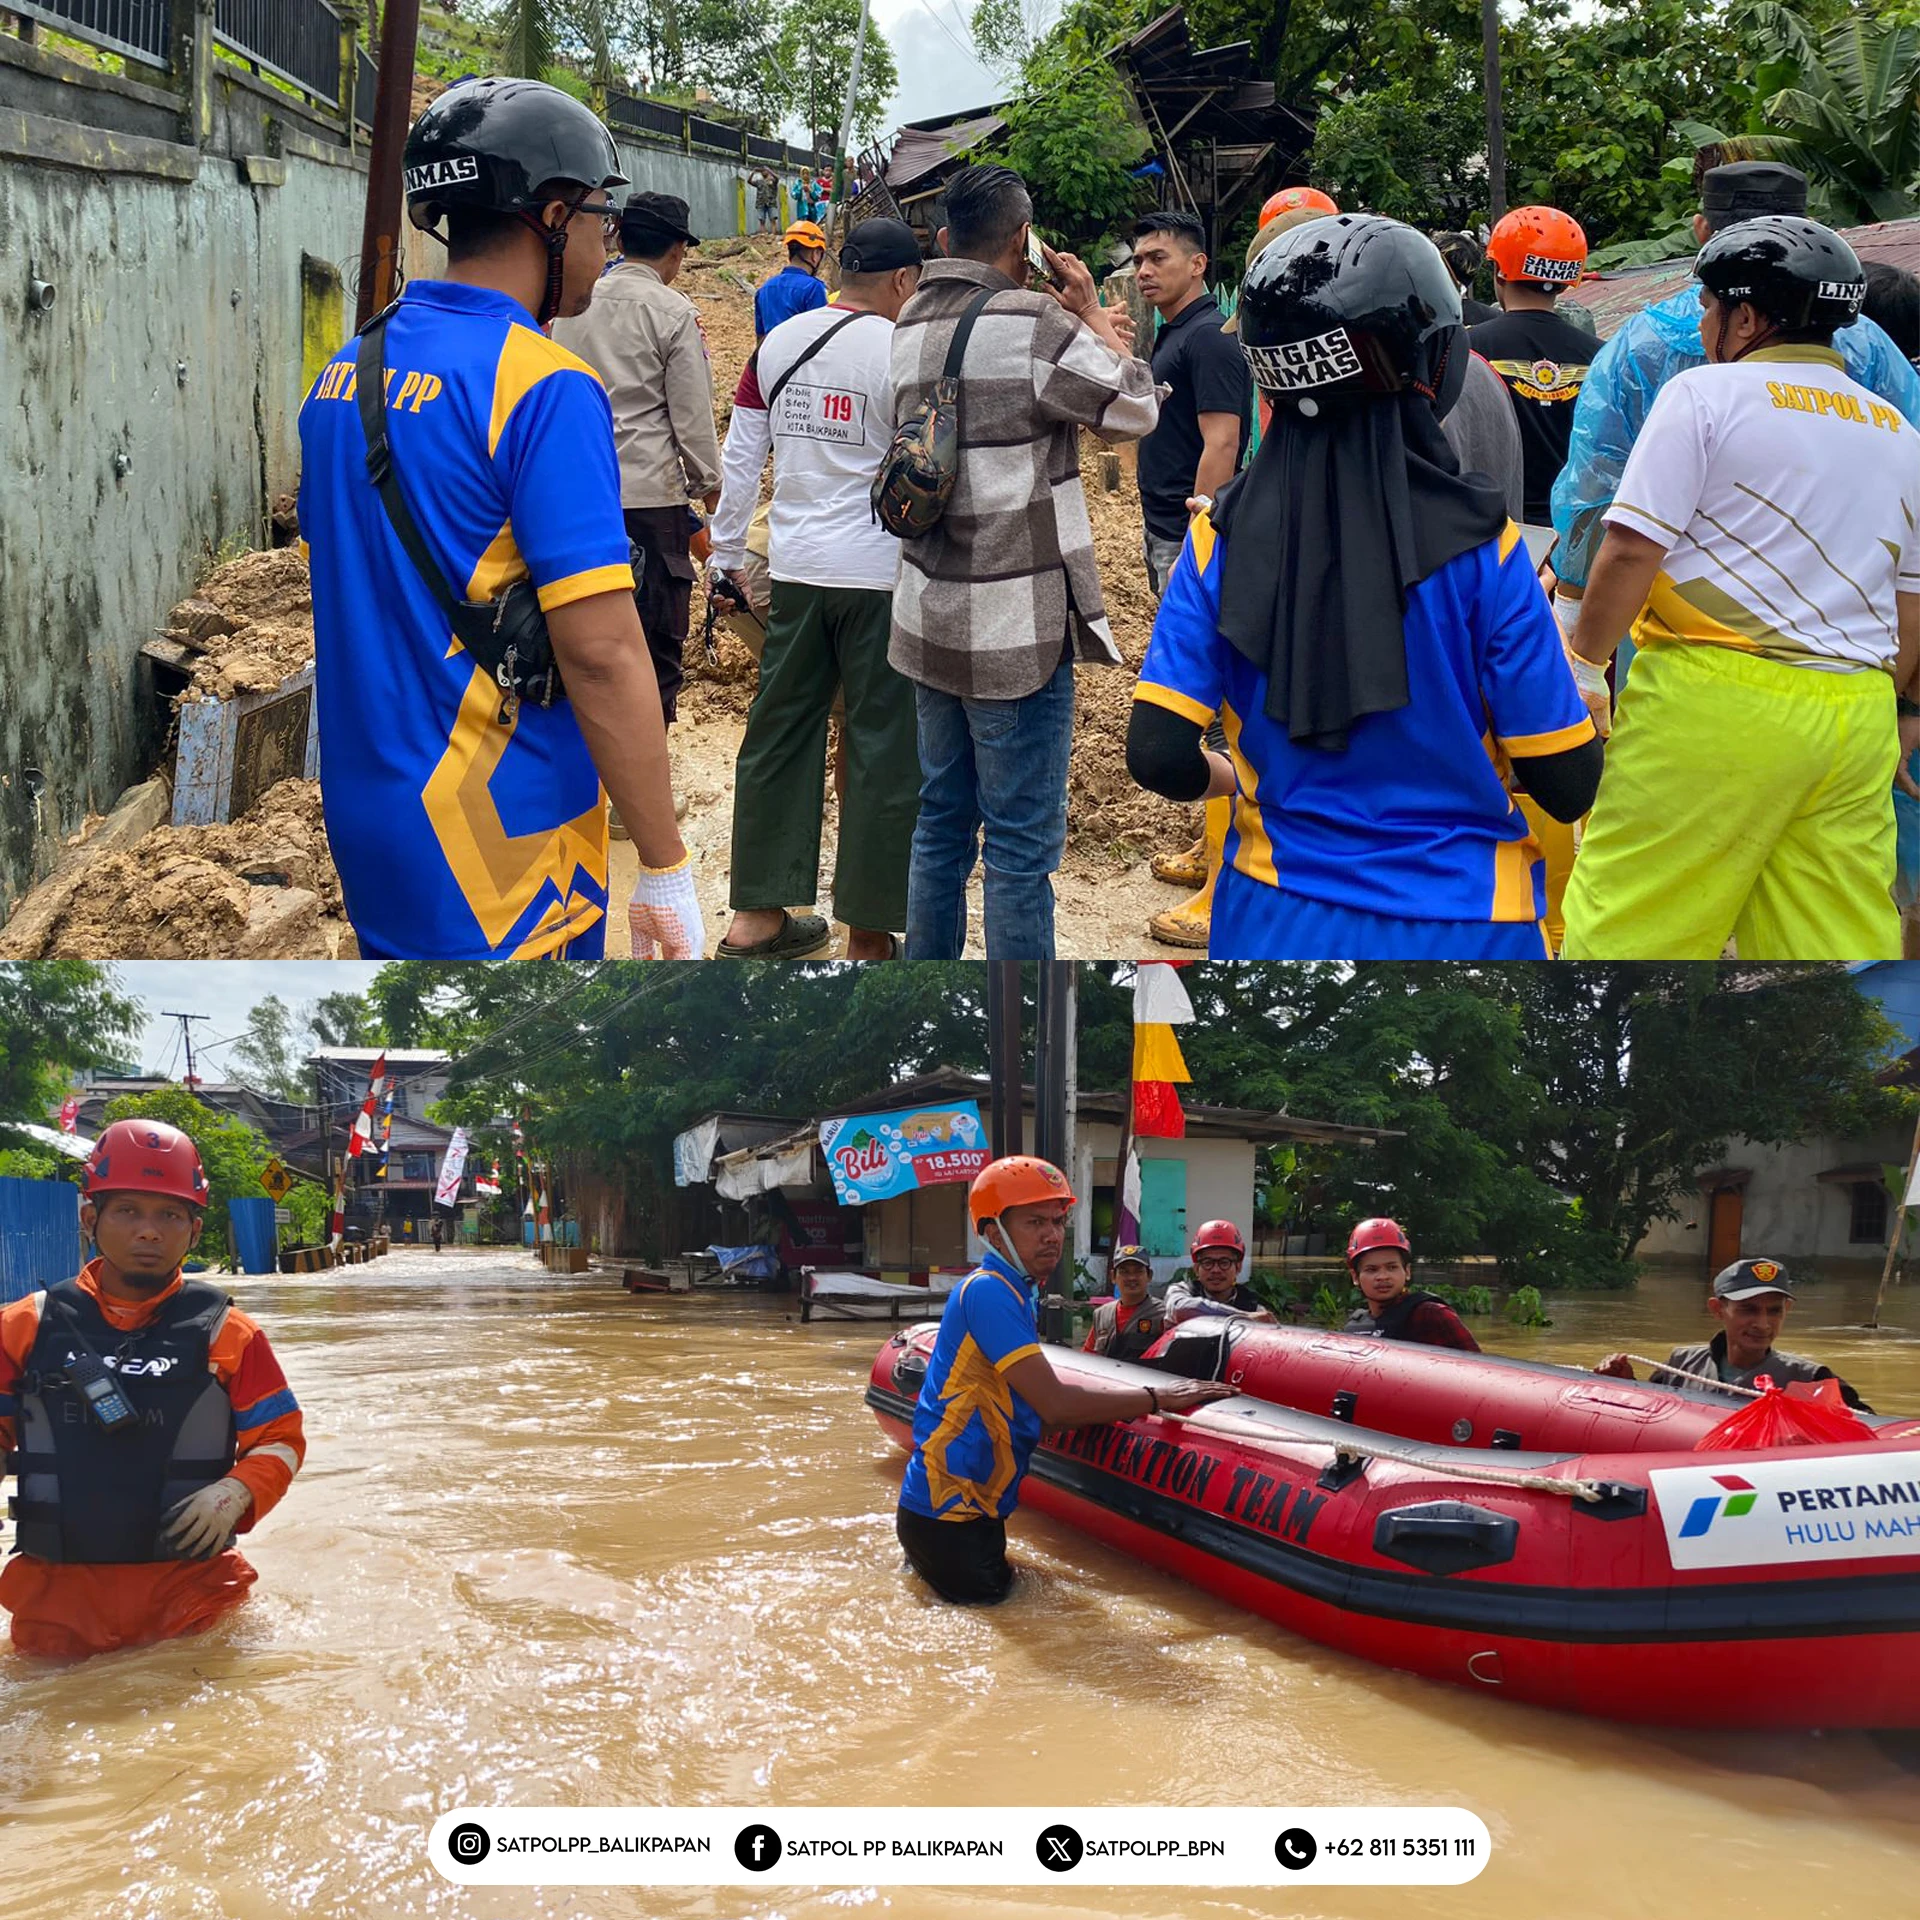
(249,625)
(262,887)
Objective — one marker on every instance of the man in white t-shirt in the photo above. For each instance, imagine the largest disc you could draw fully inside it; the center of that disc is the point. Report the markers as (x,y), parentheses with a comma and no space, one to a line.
(818,390)
(1763,546)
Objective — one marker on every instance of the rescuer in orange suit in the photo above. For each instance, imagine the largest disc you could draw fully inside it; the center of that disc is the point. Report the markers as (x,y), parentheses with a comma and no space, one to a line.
(145,1417)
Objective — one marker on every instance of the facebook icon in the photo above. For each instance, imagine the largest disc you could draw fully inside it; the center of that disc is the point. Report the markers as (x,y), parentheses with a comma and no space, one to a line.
(756,1848)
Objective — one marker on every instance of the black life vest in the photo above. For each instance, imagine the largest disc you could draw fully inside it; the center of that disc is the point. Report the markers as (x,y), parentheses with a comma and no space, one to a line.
(94,1497)
(1397,1322)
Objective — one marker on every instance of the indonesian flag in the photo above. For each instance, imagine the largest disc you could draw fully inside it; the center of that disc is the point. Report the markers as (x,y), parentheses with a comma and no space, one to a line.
(1160,1004)
(491,1185)
(69,1113)
(363,1120)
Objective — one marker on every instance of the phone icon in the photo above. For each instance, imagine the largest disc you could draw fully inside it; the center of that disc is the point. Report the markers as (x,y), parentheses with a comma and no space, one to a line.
(1296,1849)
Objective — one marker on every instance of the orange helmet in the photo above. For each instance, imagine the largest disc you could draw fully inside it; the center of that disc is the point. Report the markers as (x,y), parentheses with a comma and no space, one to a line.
(1017,1181)
(805,233)
(147,1156)
(1296,200)
(1218,1233)
(1540,244)
(1372,1234)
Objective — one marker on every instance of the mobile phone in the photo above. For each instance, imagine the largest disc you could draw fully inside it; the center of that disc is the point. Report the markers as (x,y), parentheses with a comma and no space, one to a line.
(1036,259)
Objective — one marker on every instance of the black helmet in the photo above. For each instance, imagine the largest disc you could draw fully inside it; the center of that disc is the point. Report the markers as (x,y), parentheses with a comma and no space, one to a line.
(1799,274)
(1350,304)
(493,143)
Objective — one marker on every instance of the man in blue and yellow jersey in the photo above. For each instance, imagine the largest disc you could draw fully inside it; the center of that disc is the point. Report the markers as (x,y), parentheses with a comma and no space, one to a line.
(989,1390)
(469,822)
(1365,621)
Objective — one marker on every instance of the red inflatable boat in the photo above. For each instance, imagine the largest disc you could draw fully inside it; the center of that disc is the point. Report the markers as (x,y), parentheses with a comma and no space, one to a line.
(1534,1530)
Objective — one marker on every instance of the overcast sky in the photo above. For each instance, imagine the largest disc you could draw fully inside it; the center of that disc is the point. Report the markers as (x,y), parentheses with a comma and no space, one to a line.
(226,991)
(932,47)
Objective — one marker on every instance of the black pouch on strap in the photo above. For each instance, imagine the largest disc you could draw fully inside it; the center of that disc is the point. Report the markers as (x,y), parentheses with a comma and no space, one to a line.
(506,636)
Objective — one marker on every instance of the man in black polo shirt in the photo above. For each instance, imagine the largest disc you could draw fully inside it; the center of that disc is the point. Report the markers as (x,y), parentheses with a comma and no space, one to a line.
(1194,451)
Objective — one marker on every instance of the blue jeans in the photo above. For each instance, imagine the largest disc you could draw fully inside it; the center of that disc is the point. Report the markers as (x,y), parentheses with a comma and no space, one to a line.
(1000,765)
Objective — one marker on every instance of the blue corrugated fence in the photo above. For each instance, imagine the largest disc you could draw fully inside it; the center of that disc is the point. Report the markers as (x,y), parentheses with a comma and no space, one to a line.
(39,1235)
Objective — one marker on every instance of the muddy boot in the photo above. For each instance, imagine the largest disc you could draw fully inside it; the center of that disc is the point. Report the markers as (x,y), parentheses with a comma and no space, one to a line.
(1187,868)
(1191,922)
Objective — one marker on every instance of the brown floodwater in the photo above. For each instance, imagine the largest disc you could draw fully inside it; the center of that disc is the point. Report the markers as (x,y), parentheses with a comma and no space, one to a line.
(558,1546)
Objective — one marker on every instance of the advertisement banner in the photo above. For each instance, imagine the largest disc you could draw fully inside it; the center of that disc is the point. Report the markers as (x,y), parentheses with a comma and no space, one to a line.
(451,1169)
(873,1156)
(1782,1513)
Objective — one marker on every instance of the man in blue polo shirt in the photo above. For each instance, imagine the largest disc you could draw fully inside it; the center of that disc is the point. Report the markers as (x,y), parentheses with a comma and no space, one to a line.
(989,1390)
(797,287)
(468,823)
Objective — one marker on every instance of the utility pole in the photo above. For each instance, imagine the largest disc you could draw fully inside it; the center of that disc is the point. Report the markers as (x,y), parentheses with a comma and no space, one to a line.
(392,112)
(1005,1005)
(1053,1078)
(186,1033)
(1496,125)
(846,118)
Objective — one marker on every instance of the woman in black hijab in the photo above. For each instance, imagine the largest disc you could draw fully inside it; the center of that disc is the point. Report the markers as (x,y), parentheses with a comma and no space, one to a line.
(1365,622)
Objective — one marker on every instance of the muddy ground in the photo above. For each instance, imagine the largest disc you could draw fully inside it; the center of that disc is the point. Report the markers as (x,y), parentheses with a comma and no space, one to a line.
(265,886)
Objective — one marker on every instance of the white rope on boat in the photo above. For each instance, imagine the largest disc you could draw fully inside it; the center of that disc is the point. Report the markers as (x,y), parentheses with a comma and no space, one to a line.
(1695,1379)
(1590,1490)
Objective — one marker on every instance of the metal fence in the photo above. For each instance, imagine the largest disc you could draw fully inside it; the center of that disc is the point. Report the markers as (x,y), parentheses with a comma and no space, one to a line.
(366,83)
(297,41)
(655,119)
(140,29)
(39,1235)
(643,116)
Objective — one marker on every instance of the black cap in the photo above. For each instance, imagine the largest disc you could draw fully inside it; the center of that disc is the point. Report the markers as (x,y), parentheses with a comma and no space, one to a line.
(1126,1254)
(655,216)
(879,246)
(1747,1278)
(1751,187)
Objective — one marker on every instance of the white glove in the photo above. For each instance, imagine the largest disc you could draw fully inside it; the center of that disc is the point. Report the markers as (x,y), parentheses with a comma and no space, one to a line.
(663,917)
(1566,610)
(1590,676)
(203,1524)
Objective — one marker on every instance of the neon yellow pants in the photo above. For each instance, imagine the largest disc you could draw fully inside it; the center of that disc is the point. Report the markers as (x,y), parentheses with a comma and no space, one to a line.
(1744,799)
(1556,841)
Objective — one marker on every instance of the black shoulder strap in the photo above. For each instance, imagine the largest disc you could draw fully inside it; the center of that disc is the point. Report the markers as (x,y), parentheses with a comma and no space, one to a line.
(813,347)
(962,333)
(370,392)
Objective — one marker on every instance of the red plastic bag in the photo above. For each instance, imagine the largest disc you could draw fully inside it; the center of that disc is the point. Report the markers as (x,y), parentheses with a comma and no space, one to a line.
(1805,1414)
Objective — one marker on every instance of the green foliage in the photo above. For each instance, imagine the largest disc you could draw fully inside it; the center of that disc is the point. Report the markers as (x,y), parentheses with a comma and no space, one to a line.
(24,1163)
(232,1153)
(813,54)
(1525,1309)
(1327,1309)
(1069,132)
(1847,113)
(272,1053)
(1411,149)
(311,1206)
(56,1016)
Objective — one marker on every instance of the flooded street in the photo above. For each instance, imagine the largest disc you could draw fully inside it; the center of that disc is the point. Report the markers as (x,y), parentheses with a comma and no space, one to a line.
(555,1545)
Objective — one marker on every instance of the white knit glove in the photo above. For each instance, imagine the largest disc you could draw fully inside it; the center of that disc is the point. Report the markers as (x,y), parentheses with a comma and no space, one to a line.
(663,917)
(203,1524)
(1566,610)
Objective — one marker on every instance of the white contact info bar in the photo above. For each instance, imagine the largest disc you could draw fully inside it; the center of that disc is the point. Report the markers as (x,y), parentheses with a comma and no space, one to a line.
(959,1846)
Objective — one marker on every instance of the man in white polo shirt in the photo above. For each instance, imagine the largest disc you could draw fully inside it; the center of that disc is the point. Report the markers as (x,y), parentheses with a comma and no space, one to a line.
(818,389)
(1763,546)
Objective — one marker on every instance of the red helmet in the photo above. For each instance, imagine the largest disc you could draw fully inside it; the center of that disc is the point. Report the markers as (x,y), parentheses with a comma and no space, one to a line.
(1538,244)
(1218,1233)
(1370,1234)
(1296,200)
(1018,1180)
(147,1156)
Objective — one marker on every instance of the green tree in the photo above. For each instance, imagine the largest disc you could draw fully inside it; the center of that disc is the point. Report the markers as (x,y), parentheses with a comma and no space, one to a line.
(273,1052)
(1412,149)
(1070,132)
(56,1017)
(342,1020)
(232,1152)
(813,54)
(1847,113)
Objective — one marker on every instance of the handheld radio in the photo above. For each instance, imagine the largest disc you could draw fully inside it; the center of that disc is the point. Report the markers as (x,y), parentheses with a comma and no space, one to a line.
(110,1407)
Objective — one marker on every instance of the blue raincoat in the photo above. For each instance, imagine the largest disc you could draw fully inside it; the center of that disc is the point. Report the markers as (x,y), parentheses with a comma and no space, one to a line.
(1619,391)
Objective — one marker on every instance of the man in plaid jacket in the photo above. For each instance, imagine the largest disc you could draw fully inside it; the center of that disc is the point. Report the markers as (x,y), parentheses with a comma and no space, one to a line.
(993,607)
